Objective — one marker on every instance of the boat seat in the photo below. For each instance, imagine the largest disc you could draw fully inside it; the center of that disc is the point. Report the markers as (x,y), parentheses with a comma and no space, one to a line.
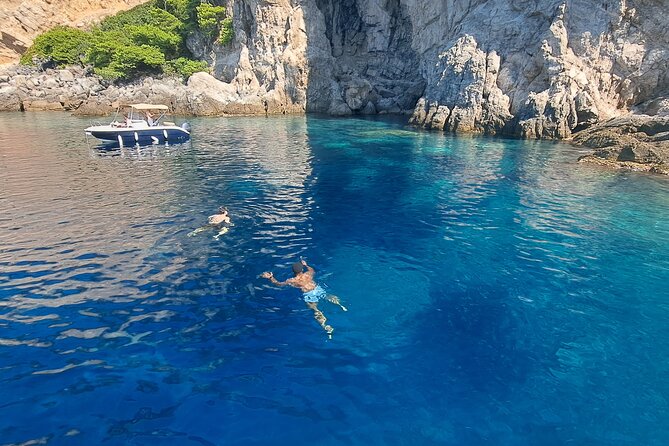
(168,123)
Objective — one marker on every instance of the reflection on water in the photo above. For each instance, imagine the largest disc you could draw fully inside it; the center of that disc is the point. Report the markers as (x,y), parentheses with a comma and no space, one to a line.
(498,292)
(140,153)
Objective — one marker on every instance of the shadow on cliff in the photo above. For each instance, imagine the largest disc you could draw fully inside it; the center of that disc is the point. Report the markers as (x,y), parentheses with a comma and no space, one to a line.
(356,65)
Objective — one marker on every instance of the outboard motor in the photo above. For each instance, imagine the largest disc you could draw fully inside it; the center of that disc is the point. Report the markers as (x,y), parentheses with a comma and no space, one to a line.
(186,126)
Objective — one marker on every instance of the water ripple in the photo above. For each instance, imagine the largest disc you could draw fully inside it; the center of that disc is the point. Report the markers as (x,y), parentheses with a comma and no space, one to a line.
(495,289)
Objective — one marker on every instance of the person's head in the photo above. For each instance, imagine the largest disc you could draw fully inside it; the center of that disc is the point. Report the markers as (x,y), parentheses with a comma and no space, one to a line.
(222,210)
(297,268)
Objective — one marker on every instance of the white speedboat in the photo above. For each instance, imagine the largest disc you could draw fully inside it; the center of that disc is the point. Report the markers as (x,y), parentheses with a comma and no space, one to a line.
(139,126)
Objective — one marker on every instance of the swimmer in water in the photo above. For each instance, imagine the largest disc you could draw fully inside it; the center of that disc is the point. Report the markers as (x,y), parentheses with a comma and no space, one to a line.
(220,222)
(312,292)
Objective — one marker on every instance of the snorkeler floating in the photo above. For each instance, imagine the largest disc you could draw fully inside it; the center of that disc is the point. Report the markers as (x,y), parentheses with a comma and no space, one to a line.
(304,280)
(220,222)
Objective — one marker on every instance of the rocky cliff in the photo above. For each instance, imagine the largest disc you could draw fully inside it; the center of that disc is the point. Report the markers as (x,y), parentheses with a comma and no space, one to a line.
(529,68)
(22,21)
(337,57)
(540,68)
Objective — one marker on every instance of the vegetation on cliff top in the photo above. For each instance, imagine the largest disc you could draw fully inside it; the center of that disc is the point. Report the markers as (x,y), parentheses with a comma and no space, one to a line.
(147,39)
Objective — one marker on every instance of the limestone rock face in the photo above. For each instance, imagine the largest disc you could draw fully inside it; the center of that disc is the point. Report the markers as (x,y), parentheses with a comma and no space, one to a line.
(462,93)
(342,57)
(563,65)
(22,20)
(528,68)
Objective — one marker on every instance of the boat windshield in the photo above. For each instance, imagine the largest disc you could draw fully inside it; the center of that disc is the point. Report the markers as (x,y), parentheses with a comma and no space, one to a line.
(138,115)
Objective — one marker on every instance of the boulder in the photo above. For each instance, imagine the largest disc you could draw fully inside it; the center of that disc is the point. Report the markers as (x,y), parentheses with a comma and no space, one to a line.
(94,106)
(66,76)
(10,99)
(357,94)
(630,140)
(462,93)
(50,82)
(41,105)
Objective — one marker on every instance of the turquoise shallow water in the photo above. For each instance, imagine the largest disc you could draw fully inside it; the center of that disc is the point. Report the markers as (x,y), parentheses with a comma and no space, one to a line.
(499,293)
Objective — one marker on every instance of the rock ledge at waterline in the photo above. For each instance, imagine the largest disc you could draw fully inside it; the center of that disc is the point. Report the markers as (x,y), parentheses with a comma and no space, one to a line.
(634,142)
(75,90)
(638,142)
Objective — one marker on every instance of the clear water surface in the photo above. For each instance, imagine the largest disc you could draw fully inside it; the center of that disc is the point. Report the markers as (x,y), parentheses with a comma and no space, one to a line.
(498,292)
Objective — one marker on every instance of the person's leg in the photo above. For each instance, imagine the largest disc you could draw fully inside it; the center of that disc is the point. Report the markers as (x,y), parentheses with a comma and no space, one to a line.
(335,300)
(221,231)
(320,318)
(198,230)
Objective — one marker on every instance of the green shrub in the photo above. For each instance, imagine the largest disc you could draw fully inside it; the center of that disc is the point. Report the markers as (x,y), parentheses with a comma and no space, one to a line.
(117,54)
(186,67)
(149,38)
(184,10)
(145,14)
(138,15)
(208,18)
(104,45)
(136,59)
(167,42)
(108,73)
(227,32)
(62,44)
(165,21)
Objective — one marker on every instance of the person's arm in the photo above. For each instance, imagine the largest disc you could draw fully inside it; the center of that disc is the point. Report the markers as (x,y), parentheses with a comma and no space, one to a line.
(310,270)
(271,278)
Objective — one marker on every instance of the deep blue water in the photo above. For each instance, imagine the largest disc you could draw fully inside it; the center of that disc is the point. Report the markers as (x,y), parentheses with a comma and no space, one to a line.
(499,293)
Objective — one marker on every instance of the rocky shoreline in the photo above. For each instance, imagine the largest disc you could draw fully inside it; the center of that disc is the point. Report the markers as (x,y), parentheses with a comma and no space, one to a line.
(636,142)
(624,165)
(530,69)
(77,90)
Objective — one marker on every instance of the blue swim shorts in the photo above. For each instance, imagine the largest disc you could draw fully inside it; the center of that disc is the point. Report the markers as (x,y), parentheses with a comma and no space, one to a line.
(315,295)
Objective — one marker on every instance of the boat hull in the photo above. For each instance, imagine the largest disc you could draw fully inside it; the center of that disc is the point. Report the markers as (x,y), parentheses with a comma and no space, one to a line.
(142,136)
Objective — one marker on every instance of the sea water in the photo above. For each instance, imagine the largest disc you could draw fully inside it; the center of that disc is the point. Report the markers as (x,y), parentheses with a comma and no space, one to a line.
(499,293)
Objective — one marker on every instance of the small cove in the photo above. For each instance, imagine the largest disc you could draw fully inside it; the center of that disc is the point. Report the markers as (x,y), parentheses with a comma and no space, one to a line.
(499,292)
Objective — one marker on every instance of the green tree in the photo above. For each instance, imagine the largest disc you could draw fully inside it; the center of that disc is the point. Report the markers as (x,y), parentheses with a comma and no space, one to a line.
(114,55)
(145,14)
(136,59)
(62,44)
(149,38)
(209,18)
(186,67)
(184,10)
(227,32)
(167,42)
(104,45)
